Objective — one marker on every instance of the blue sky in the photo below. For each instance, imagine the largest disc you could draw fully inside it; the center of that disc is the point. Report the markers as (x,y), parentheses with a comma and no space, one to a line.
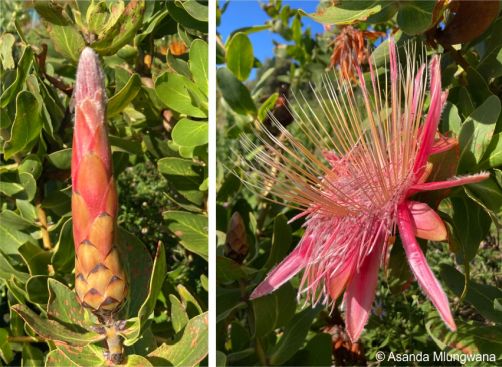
(244,13)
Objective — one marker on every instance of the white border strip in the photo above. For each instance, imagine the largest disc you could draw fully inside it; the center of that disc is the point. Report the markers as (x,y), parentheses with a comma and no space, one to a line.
(211,204)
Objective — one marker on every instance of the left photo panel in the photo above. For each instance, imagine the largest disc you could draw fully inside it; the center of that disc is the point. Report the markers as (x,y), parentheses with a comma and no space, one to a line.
(104,183)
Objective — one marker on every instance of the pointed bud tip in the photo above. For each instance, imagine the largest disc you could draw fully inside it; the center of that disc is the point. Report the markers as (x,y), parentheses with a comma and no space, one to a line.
(89,79)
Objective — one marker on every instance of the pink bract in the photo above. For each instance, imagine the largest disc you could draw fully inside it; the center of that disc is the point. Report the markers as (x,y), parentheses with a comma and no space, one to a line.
(367,156)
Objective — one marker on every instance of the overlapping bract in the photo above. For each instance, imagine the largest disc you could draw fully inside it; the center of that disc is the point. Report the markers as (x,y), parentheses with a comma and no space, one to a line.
(365,154)
(100,281)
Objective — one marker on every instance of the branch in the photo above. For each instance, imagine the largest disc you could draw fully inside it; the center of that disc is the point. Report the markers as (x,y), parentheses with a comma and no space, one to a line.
(42,218)
(25,339)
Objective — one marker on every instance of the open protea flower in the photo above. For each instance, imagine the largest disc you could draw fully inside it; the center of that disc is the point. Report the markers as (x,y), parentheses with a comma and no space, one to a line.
(354,179)
(100,281)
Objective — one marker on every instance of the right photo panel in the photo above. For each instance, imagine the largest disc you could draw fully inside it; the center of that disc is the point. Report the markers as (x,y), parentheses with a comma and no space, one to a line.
(359,190)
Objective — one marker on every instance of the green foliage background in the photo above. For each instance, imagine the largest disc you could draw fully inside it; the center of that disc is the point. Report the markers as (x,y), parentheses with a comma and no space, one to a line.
(154,56)
(274,330)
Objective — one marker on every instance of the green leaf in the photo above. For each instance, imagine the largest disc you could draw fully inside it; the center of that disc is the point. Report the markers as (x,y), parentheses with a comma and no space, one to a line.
(195,8)
(64,308)
(415,16)
(53,330)
(26,210)
(144,345)
(389,9)
(89,355)
(184,18)
(190,133)
(124,96)
(22,70)
(172,90)
(181,67)
(5,350)
(398,271)
(123,30)
(139,268)
(177,166)
(267,106)
(36,289)
(31,164)
(152,25)
(189,350)
(239,337)
(346,12)
(35,258)
(470,339)
(274,310)
(191,304)
(129,144)
(135,360)
(228,300)
(227,270)
(239,56)
(7,41)
(221,359)
(491,64)
(480,296)
(67,40)
(199,63)
(450,119)
(61,159)
(488,194)
(191,229)
(27,125)
(52,12)
(10,185)
(235,93)
(476,133)
(493,154)
(281,241)
(317,352)
(98,16)
(154,288)
(477,86)
(56,358)
(471,225)
(29,185)
(294,336)
(179,317)
(14,231)
(32,356)
(7,270)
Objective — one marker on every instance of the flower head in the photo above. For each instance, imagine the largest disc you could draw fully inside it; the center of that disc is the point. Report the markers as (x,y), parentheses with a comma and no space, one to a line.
(353,176)
(100,280)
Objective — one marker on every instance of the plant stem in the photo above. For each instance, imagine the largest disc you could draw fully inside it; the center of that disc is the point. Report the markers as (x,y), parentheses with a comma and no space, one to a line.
(25,339)
(457,56)
(42,218)
(261,353)
(466,280)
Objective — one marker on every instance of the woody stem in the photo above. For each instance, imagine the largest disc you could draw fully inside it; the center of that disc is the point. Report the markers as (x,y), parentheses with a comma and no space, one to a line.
(42,218)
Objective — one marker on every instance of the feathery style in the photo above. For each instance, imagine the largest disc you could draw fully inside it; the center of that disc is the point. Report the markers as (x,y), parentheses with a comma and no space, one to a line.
(100,281)
(363,157)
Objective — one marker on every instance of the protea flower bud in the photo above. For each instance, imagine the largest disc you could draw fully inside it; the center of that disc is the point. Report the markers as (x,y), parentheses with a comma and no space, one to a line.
(236,244)
(100,281)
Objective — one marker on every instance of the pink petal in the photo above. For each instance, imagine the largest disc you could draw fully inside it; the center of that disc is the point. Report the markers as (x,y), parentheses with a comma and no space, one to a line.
(337,284)
(428,224)
(442,144)
(418,264)
(452,182)
(417,89)
(360,294)
(287,269)
(433,116)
